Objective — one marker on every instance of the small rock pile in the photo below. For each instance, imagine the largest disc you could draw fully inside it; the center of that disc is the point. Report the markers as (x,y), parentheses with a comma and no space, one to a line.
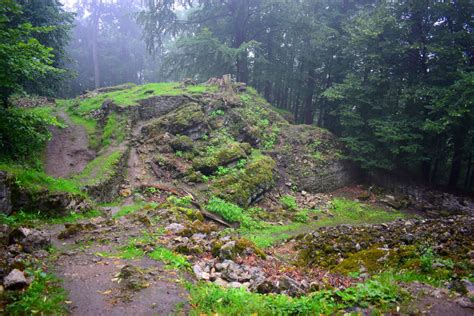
(452,237)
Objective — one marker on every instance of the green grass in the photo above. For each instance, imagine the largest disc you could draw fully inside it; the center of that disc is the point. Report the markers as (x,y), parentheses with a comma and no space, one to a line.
(171,259)
(289,202)
(356,212)
(130,97)
(381,293)
(129,209)
(232,213)
(34,219)
(344,212)
(114,130)
(99,169)
(43,297)
(36,180)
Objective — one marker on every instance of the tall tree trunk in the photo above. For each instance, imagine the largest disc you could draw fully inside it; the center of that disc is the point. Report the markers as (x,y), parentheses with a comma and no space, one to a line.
(468,172)
(96,7)
(240,12)
(308,108)
(457,159)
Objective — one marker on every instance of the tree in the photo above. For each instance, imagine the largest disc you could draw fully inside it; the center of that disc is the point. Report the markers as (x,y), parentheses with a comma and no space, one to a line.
(22,56)
(51,14)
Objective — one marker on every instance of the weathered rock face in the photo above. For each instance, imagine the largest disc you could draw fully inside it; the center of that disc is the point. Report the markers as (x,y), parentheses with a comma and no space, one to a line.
(55,203)
(5,195)
(236,144)
(451,237)
(312,159)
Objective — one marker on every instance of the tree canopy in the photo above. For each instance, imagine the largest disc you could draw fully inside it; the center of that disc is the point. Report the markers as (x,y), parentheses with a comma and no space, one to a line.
(390,78)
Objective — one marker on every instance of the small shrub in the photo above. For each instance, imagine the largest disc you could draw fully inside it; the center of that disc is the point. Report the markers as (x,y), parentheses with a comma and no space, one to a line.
(289,202)
(301,217)
(232,213)
(23,133)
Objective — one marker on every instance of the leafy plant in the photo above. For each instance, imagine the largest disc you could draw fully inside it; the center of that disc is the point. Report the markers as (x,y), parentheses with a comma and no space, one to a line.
(301,217)
(44,297)
(289,202)
(231,213)
(216,113)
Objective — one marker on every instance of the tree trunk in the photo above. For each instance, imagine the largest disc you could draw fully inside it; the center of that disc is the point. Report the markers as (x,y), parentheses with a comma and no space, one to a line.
(457,159)
(308,109)
(95,31)
(240,12)
(468,172)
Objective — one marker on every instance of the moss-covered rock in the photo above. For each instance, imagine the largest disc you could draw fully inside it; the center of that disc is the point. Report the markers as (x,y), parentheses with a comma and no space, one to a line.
(185,120)
(248,185)
(221,157)
(355,245)
(182,143)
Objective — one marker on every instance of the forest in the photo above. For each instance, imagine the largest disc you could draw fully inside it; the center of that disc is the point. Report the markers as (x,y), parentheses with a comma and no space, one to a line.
(236,157)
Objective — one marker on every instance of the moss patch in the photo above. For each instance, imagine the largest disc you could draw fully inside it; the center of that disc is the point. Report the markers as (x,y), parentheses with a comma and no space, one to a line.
(249,184)
(131,96)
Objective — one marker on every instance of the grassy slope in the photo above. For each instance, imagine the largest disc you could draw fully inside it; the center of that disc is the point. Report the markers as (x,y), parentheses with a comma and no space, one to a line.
(130,97)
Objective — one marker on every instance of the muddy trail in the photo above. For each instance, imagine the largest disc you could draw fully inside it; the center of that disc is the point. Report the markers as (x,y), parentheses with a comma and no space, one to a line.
(68,151)
(102,285)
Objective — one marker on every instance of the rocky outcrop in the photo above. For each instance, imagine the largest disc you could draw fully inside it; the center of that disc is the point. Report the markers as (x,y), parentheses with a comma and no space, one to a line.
(312,158)
(449,237)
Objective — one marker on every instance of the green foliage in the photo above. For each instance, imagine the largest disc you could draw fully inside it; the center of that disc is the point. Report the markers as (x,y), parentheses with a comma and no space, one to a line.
(216,113)
(428,261)
(357,211)
(131,95)
(289,202)
(24,133)
(22,56)
(184,201)
(128,209)
(114,130)
(172,260)
(241,186)
(34,219)
(301,217)
(232,213)
(102,167)
(380,293)
(37,181)
(44,296)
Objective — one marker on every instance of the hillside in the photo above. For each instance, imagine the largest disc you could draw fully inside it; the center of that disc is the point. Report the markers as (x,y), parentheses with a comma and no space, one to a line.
(185,198)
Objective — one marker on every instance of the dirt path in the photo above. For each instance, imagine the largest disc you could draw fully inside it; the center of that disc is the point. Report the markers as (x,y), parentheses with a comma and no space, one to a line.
(68,151)
(93,280)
